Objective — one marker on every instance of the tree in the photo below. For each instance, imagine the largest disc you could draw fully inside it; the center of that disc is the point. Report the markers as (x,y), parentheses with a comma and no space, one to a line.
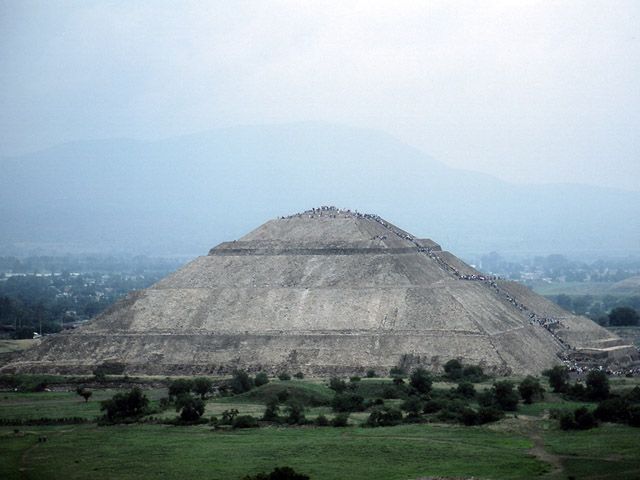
(284,376)
(530,389)
(261,379)
(190,408)
(84,393)
(506,398)
(466,390)
(384,417)
(180,386)
(558,378)
(421,380)
(202,386)
(597,385)
(124,406)
(272,412)
(453,369)
(347,402)
(623,316)
(337,385)
(295,413)
(241,382)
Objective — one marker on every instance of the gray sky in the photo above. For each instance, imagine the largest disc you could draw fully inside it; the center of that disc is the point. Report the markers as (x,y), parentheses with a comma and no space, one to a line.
(523,90)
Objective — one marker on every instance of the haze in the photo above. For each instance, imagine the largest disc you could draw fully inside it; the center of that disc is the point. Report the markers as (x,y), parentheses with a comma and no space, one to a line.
(524,91)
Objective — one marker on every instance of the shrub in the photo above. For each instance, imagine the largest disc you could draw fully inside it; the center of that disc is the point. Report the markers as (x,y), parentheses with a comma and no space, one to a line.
(421,380)
(340,420)
(241,382)
(371,373)
(597,385)
(284,376)
(125,406)
(577,391)
(489,414)
(580,419)
(558,378)
(272,412)
(354,379)
(530,389)
(413,405)
(295,413)
(465,390)
(244,421)
(433,406)
(612,410)
(180,386)
(473,373)
(190,408)
(322,421)
(347,402)
(505,396)
(397,372)
(384,417)
(279,473)
(299,375)
(261,379)
(453,369)
(202,386)
(337,385)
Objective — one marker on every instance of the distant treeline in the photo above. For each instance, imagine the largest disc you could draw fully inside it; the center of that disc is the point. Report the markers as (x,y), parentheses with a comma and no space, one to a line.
(55,294)
(604,309)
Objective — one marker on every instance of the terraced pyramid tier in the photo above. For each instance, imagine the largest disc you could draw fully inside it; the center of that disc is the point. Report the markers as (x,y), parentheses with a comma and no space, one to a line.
(324,292)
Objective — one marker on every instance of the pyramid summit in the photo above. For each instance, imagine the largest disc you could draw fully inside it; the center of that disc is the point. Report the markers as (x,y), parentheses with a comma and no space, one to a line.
(327,291)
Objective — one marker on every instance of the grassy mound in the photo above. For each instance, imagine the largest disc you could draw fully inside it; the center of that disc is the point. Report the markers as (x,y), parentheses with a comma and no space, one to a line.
(308,394)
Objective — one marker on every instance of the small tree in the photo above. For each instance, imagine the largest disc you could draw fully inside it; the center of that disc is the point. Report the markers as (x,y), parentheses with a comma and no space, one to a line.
(125,406)
(530,389)
(597,385)
(453,369)
(505,396)
(229,415)
(295,413)
(299,375)
(261,379)
(202,386)
(347,402)
(371,373)
(284,376)
(180,386)
(384,417)
(241,382)
(558,378)
(272,412)
(421,380)
(190,408)
(337,385)
(84,393)
(466,390)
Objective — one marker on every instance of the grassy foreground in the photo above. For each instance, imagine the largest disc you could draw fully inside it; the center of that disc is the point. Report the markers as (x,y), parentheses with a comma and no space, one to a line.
(522,446)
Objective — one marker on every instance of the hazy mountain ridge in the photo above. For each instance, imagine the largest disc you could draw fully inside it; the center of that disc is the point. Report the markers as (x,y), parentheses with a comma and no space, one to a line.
(186,194)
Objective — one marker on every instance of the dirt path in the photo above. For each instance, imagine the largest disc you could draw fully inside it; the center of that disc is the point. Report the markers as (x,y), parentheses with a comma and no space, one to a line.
(544,455)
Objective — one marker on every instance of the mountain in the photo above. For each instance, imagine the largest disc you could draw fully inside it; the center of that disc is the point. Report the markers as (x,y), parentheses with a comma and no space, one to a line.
(180,195)
(327,292)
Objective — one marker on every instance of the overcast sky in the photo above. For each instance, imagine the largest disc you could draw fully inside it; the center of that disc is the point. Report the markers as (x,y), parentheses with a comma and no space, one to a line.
(528,91)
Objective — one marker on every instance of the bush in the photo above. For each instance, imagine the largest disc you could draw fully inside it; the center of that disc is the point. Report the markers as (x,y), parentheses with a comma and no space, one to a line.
(284,376)
(371,373)
(241,382)
(413,405)
(279,473)
(384,417)
(473,373)
(580,419)
(190,408)
(397,372)
(337,385)
(453,369)
(295,413)
(202,386)
(347,402)
(261,379)
(125,406)
(577,391)
(244,421)
(179,387)
(299,375)
(597,385)
(354,379)
(465,390)
(340,420)
(433,406)
(322,421)
(488,415)
(272,412)
(530,389)
(558,378)
(623,316)
(421,380)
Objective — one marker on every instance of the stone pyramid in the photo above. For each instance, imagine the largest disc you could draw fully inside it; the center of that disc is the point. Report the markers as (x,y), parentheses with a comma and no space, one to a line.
(326,291)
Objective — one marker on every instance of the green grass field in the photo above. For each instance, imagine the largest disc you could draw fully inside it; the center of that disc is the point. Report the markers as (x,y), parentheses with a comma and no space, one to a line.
(522,446)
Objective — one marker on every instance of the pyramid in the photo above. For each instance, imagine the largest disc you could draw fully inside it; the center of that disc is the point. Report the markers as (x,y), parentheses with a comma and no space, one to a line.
(326,291)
